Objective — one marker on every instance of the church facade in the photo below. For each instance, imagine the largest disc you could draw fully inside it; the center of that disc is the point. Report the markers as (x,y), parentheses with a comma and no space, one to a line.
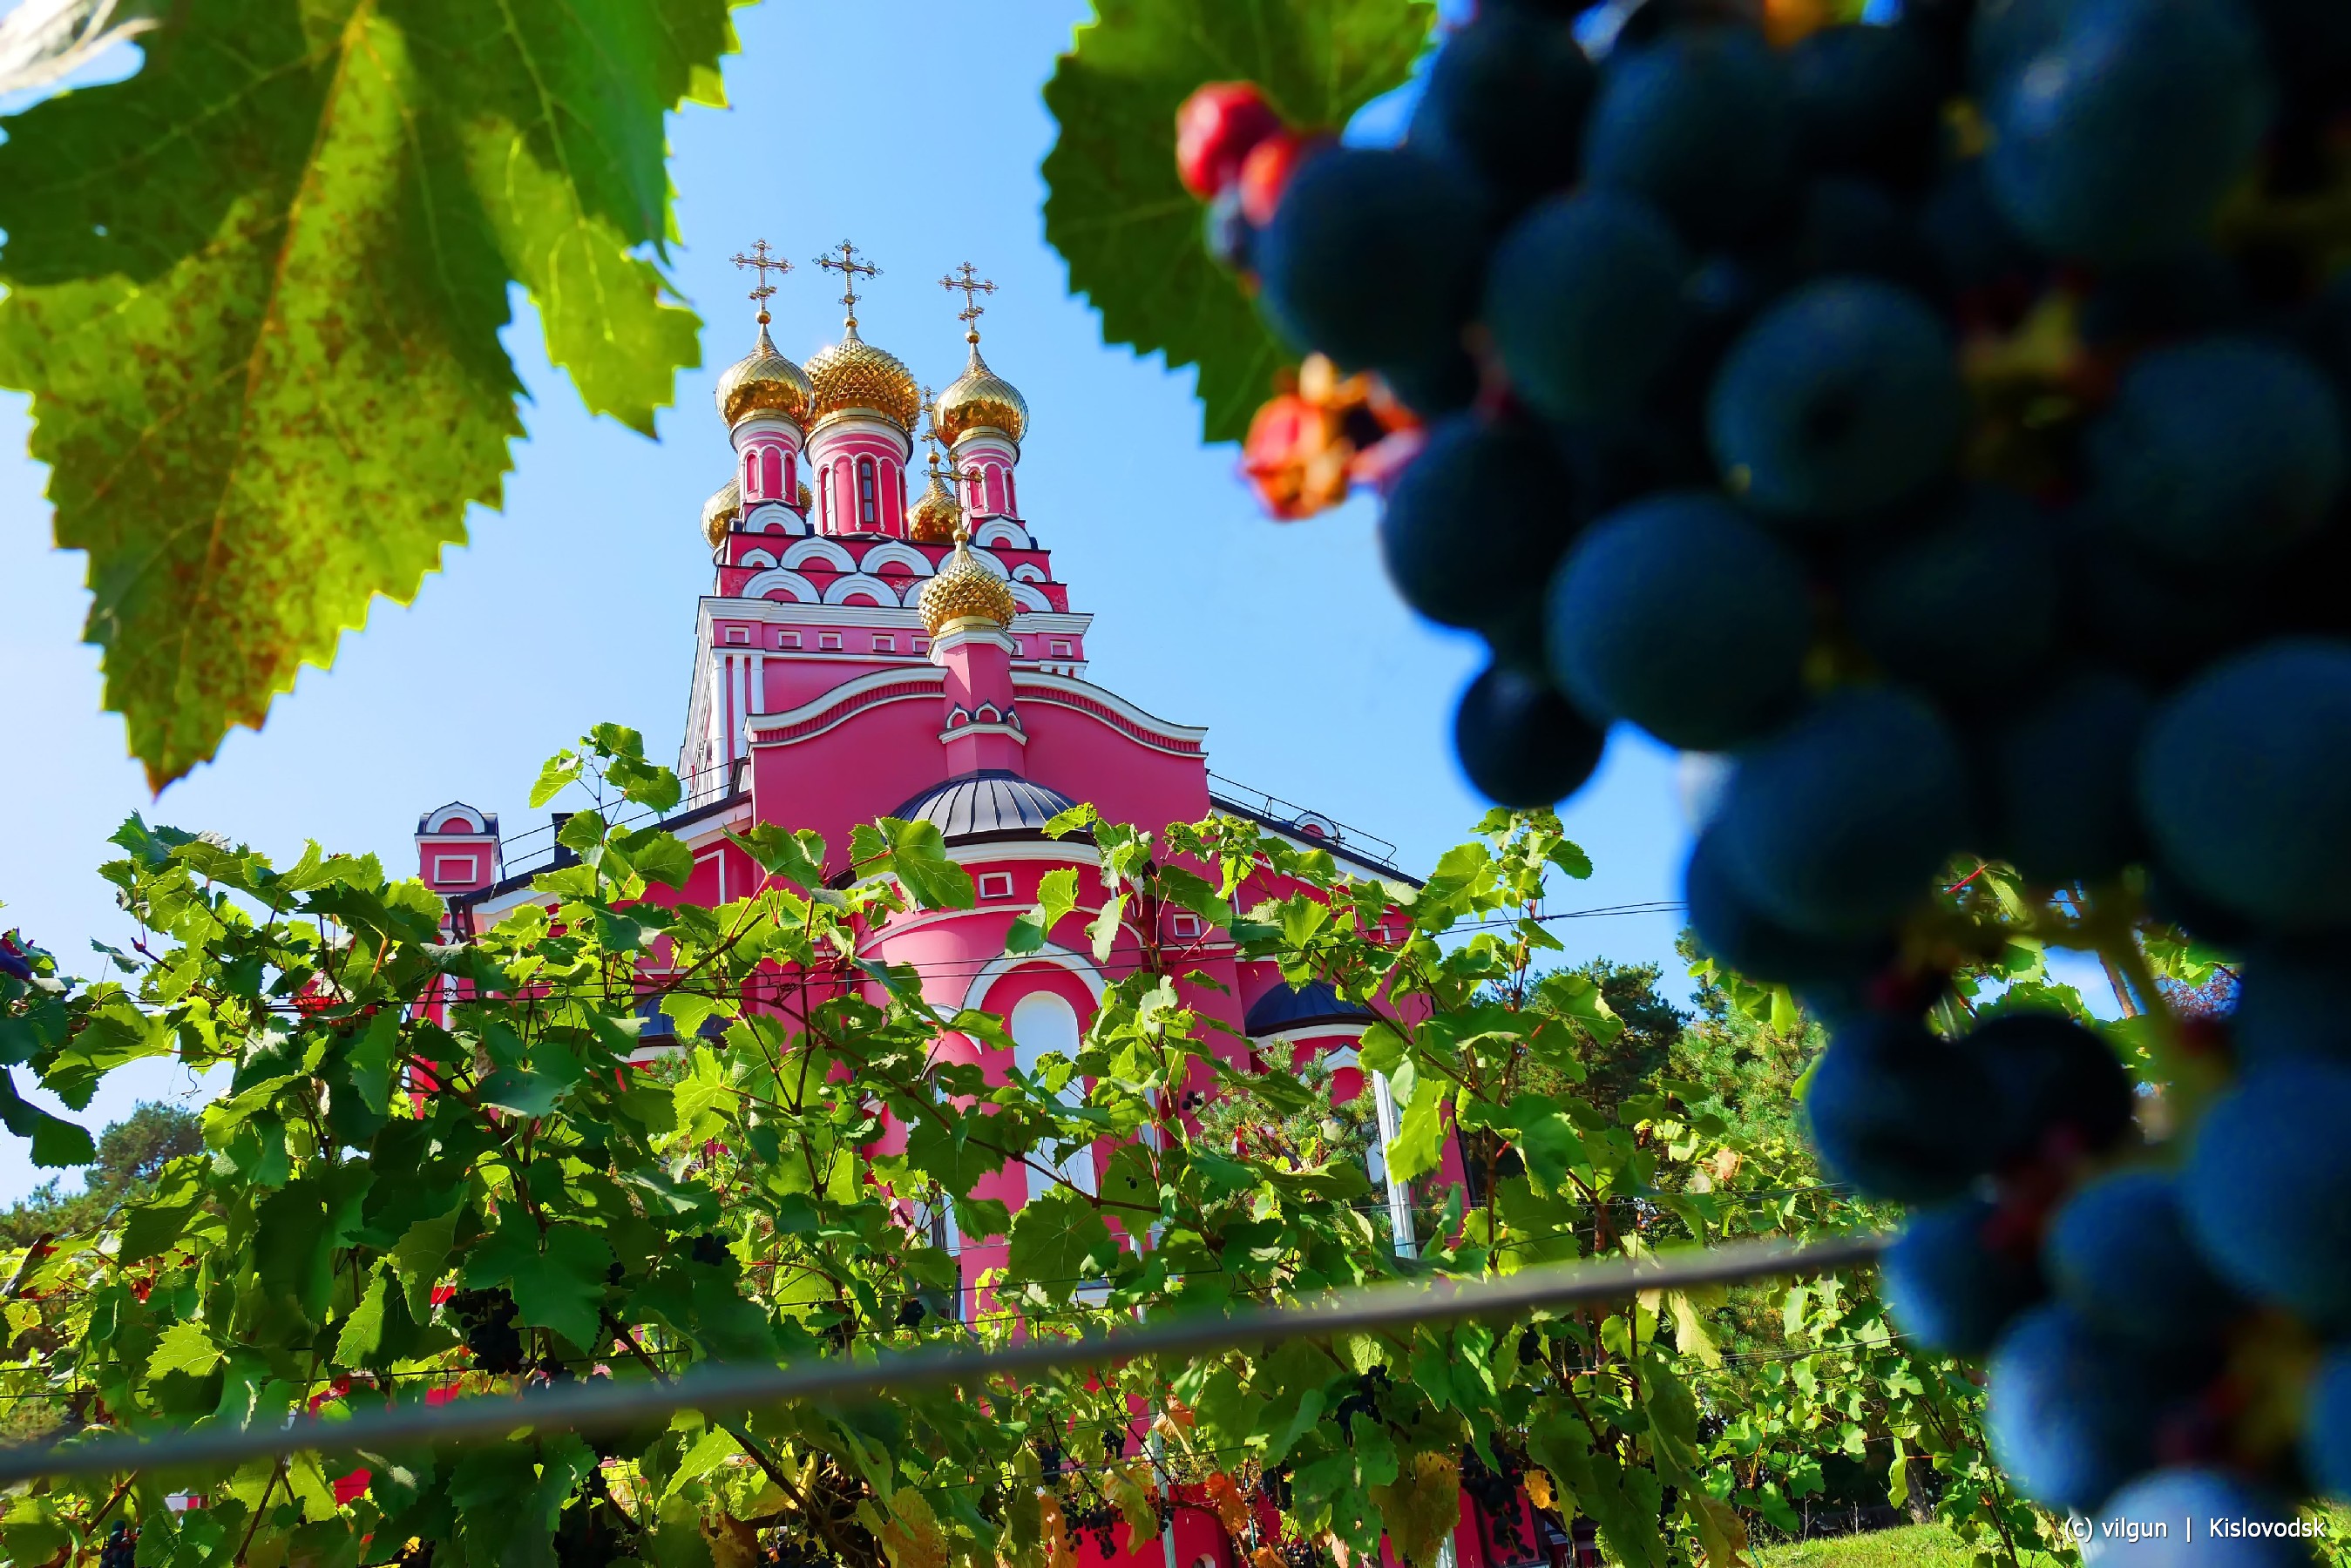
(883,641)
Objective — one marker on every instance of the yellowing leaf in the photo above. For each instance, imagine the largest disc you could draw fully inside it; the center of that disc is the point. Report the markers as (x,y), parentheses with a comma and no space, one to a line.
(911,1535)
(1422,1506)
(1134,1491)
(256,288)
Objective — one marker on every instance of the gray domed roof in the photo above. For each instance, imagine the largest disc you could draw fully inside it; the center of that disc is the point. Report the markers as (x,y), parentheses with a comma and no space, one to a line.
(989,803)
(1314,1002)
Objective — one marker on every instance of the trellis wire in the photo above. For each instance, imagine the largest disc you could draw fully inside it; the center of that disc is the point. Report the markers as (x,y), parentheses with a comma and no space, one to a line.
(601,1404)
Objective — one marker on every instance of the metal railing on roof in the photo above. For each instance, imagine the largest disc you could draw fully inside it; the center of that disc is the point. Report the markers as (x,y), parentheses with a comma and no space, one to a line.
(526,853)
(1274,808)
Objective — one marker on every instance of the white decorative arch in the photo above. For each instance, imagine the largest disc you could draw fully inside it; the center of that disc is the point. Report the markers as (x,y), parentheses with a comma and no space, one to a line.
(773,517)
(994,567)
(975,994)
(1028,599)
(891,553)
(1002,531)
(1029,571)
(757,559)
(837,592)
(779,583)
(820,548)
(464,817)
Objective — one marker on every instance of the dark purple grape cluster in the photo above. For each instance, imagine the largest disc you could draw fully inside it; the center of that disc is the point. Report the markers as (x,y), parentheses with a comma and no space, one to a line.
(1095,1520)
(786,1550)
(488,1320)
(1495,1489)
(122,1548)
(1363,1400)
(1945,421)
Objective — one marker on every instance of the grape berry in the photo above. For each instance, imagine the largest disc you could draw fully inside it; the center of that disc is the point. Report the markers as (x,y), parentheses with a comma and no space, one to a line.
(1946,419)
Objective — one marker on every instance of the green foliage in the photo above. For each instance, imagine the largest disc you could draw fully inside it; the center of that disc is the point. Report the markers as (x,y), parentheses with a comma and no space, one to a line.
(256,291)
(459,1165)
(131,1154)
(1914,1546)
(1114,209)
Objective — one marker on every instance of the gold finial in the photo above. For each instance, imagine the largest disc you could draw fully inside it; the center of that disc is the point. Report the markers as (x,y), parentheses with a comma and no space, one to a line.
(851,270)
(931,424)
(763,261)
(963,591)
(967,278)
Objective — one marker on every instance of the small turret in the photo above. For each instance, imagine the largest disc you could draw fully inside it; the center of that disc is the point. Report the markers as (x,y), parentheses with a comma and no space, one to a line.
(981,416)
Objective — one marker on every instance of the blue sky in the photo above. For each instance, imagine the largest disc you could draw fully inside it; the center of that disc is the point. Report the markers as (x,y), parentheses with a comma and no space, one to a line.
(916,130)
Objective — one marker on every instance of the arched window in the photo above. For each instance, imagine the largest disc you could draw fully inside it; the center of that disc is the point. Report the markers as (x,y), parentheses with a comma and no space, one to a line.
(995,491)
(824,499)
(868,499)
(750,475)
(771,474)
(1011,497)
(1042,1022)
(791,493)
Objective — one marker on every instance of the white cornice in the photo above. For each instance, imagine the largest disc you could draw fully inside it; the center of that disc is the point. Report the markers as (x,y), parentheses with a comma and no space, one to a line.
(1039,680)
(957,732)
(933,681)
(789,612)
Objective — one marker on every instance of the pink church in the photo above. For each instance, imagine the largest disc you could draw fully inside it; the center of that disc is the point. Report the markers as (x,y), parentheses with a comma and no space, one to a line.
(854,659)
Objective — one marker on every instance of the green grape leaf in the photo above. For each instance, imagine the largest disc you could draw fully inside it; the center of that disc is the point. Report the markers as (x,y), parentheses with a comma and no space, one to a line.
(557,1285)
(185,1348)
(916,854)
(1419,1142)
(1114,209)
(256,290)
(364,1330)
(419,1255)
(713,1448)
(1058,1242)
(374,1058)
(1057,895)
(55,1142)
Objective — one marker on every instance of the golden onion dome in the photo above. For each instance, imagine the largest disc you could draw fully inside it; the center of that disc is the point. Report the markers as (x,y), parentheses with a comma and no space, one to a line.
(932,519)
(980,399)
(718,513)
(853,374)
(763,382)
(964,590)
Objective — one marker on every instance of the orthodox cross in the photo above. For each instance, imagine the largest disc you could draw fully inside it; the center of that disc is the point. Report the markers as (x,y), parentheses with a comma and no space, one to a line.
(967,278)
(975,477)
(762,261)
(931,427)
(850,269)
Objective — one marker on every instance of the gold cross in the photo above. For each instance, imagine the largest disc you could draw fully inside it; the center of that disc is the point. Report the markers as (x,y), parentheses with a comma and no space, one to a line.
(851,270)
(967,278)
(931,424)
(975,476)
(763,261)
